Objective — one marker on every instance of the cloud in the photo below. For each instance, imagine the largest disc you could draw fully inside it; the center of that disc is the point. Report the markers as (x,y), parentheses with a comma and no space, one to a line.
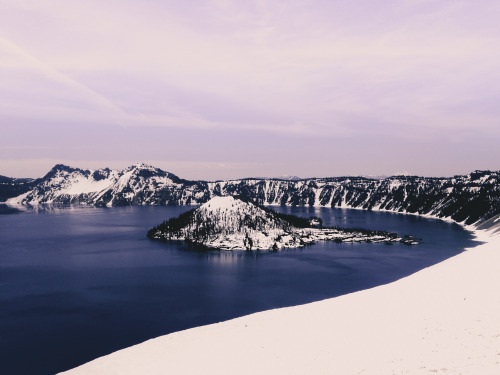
(351,72)
(263,57)
(40,85)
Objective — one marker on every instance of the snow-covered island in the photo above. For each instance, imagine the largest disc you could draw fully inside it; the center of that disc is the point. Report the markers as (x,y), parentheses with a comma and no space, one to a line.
(229,223)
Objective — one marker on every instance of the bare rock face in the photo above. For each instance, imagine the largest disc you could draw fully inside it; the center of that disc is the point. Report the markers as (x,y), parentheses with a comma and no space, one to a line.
(229,223)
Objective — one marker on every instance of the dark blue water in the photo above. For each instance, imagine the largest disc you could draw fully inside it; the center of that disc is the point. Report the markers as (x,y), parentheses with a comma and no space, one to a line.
(77,282)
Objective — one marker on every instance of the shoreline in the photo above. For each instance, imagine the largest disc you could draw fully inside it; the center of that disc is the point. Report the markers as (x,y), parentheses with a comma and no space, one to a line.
(442,319)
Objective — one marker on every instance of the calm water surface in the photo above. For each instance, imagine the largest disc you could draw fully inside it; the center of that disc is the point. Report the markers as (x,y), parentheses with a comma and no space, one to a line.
(78,282)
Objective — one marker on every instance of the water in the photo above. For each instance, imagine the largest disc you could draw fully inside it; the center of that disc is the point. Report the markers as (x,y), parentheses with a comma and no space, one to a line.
(78,282)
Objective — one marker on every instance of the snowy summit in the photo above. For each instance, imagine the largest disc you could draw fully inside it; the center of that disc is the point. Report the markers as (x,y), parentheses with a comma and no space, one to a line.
(230,223)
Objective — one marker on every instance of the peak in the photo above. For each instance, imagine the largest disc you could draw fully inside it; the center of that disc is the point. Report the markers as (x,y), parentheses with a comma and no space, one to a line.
(61,167)
(227,202)
(145,170)
(481,172)
(141,165)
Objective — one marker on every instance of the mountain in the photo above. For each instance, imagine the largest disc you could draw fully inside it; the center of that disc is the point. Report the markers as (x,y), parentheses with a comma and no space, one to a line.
(230,223)
(470,198)
(140,184)
(12,187)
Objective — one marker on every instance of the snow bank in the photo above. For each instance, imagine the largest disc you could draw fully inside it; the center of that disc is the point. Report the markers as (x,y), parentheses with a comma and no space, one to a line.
(444,319)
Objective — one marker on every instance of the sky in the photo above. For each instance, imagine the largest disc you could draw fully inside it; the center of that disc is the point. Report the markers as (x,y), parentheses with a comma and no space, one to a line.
(219,89)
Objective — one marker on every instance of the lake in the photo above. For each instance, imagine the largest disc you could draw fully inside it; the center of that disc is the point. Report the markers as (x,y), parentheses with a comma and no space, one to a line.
(80,282)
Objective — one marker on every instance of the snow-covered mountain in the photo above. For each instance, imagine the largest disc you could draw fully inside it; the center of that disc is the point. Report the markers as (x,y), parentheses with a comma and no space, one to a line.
(229,223)
(140,184)
(469,198)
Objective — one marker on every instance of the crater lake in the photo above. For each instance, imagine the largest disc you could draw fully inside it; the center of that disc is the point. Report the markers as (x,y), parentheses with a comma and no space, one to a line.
(80,282)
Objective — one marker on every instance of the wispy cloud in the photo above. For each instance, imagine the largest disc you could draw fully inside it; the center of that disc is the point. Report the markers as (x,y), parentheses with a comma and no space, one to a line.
(409,70)
(48,81)
(248,52)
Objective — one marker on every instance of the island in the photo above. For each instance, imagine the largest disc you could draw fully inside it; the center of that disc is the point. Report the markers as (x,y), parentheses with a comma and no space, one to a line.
(231,223)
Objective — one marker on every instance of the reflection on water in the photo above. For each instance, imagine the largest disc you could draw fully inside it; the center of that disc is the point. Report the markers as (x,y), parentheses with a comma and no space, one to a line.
(7,209)
(228,258)
(80,282)
(46,208)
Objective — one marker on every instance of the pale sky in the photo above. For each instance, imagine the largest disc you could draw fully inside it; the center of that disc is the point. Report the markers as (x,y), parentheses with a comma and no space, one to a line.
(217,89)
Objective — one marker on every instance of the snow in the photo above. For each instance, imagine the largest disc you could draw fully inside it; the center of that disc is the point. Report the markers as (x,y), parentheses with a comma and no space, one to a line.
(123,180)
(226,203)
(394,184)
(64,184)
(443,319)
(317,195)
(82,185)
(18,200)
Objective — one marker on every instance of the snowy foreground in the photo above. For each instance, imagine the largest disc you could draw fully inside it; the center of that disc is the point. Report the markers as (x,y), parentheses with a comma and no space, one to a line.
(444,319)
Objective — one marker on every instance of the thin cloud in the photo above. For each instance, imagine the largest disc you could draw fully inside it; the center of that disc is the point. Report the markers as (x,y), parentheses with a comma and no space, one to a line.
(353,72)
(315,75)
(27,62)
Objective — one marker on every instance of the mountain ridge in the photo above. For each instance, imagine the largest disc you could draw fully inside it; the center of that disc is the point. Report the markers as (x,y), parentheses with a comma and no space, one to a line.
(469,199)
